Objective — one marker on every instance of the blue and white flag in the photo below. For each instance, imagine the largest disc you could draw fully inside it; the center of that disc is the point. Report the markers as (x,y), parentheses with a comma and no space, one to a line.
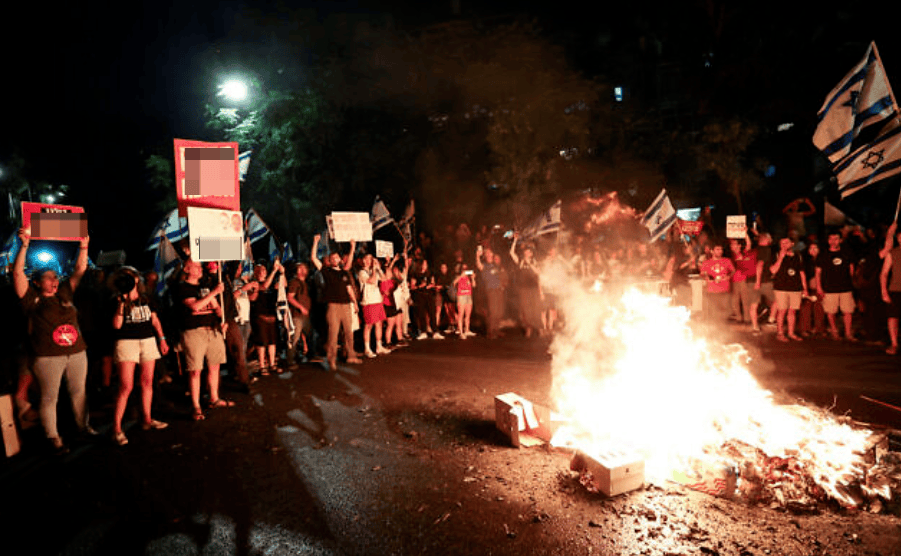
(274,250)
(282,310)
(165,263)
(380,217)
(659,216)
(172,227)
(871,163)
(256,228)
(547,223)
(863,98)
(243,164)
(287,252)
(9,250)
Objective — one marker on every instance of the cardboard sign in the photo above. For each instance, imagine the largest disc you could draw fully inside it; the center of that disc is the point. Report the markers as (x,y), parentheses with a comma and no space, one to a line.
(736,226)
(215,234)
(206,175)
(384,249)
(351,226)
(56,222)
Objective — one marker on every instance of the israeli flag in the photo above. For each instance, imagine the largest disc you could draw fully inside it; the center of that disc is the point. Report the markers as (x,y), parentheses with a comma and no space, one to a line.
(172,227)
(863,98)
(243,164)
(274,251)
(547,223)
(871,163)
(9,250)
(659,216)
(256,228)
(165,263)
(288,253)
(380,217)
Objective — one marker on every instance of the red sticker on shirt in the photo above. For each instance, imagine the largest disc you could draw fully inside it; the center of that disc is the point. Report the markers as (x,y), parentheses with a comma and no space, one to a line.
(65,335)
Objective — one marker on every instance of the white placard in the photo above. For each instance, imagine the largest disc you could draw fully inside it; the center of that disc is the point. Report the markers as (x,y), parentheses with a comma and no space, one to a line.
(215,234)
(736,226)
(352,226)
(384,249)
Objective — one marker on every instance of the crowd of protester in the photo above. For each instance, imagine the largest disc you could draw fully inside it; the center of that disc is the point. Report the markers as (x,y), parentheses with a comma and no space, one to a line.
(451,286)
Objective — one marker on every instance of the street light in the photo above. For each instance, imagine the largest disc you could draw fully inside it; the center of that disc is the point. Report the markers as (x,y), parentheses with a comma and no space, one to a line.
(234,90)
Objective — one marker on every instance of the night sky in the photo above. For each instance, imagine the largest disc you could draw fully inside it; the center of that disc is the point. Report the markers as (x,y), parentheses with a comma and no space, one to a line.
(90,91)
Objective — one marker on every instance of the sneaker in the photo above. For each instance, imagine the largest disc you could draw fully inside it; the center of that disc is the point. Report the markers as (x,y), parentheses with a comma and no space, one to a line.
(422,336)
(89,431)
(382,350)
(437,336)
(469,334)
(755,330)
(369,354)
(120,439)
(155,425)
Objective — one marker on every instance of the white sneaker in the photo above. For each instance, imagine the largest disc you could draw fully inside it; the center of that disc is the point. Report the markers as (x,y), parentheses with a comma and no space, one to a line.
(422,336)
(470,334)
(437,336)
(370,354)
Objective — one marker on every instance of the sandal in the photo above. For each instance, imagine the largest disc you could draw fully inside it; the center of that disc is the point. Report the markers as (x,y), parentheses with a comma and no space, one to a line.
(264,371)
(222,402)
(892,350)
(198,415)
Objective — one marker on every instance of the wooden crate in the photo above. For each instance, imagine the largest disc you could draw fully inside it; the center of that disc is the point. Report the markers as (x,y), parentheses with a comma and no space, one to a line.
(612,471)
(8,426)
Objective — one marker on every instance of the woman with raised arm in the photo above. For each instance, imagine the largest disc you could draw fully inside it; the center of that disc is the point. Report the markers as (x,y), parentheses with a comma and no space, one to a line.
(56,342)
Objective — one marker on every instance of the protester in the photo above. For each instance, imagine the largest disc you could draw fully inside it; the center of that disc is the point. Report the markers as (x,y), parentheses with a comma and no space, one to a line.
(528,287)
(811,317)
(744,259)
(338,294)
(422,287)
(463,285)
(56,340)
(490,272)
(890,282)
(835,285)
(372,304)
(718,271)
(789,281)
(202,339)
(394,336)
(682,264)
(447,297)
(262,297)
(763,282)
(136,330)
(300,302)
(236,306)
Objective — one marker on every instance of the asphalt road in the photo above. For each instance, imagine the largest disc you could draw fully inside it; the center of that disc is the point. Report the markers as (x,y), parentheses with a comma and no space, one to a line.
(398,455)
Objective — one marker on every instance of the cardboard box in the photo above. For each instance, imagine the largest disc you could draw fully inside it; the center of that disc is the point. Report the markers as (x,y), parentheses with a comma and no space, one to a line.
(8,426)
(613,471)
(525,423)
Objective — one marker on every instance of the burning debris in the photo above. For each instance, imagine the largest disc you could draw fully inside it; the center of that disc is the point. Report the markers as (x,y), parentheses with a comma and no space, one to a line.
(631,374)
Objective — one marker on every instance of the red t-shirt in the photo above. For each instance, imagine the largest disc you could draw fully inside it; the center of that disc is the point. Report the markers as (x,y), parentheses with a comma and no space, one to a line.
(464,286)
(718,270)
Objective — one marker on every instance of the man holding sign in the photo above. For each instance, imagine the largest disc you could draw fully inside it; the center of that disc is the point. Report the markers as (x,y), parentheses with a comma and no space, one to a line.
(339,295)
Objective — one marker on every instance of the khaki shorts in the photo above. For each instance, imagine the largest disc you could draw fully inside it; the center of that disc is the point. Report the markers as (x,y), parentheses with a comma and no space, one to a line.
(200,344)
(136,351)
(835,302)
(787,300)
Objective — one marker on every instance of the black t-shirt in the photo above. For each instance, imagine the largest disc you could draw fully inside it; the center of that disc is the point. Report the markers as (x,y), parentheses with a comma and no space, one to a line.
(835,270)
(189,320)
(765,254)
(137,324)
(788,278)
(53,322)
(336,284)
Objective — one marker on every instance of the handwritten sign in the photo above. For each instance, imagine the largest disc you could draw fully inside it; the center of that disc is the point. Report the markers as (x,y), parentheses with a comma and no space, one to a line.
(351,226)
(736,226)
(384,249)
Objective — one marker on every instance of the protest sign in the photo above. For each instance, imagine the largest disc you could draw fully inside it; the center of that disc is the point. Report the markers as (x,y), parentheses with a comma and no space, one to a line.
(384,249)
(206,175)
(691,227)
(351,226)
(215,234)
(55,222)
(736,226)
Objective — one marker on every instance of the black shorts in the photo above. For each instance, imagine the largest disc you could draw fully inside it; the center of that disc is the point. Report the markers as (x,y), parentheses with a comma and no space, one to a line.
(390,311)
(894,308)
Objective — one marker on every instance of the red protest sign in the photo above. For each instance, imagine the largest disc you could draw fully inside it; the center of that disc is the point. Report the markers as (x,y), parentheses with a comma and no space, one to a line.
(691,227)
(55,222)
(206,175)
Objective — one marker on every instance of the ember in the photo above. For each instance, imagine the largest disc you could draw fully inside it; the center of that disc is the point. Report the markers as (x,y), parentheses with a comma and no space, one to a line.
(632,373)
